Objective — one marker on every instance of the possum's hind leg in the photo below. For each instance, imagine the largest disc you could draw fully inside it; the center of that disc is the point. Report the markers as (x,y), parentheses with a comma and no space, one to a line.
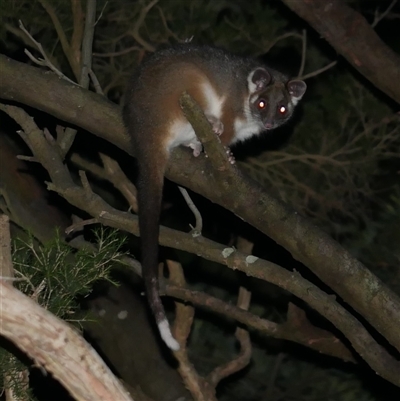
(197,148)
(216,124)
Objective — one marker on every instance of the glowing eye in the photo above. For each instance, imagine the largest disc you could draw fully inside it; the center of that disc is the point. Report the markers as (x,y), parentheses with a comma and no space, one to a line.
(282,109)
(262,104)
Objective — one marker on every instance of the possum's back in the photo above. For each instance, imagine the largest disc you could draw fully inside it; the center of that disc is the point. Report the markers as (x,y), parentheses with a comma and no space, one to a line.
(167,69)
(152,99)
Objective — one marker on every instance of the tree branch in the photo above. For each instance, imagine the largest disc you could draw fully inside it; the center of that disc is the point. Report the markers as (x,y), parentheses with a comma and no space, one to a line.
(57,347)
(351,35)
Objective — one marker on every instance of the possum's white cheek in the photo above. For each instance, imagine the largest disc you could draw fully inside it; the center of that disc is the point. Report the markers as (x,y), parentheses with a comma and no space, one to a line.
(246,128)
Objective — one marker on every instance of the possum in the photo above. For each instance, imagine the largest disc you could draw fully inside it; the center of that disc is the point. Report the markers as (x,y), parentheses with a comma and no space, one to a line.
(240,97)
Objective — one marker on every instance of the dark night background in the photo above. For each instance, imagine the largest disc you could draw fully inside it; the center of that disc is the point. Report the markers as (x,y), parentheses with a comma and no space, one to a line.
(337,162)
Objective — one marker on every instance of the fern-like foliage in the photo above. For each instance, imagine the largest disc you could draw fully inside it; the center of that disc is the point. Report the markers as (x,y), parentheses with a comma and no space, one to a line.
(57,276)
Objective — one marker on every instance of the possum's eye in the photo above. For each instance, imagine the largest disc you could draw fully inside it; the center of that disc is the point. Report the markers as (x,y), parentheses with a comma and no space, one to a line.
(262,104)
(282,110)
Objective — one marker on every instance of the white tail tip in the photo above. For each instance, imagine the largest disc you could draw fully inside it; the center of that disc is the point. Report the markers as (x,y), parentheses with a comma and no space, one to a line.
(166,335)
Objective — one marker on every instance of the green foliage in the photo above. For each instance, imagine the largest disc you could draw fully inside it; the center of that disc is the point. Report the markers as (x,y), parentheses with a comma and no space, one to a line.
(15,372)
(56,275)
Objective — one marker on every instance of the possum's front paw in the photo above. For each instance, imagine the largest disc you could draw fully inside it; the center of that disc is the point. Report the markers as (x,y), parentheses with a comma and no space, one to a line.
(216,124)
(231,158)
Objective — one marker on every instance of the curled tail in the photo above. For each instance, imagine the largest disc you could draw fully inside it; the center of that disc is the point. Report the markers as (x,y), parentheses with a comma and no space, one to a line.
(150,187)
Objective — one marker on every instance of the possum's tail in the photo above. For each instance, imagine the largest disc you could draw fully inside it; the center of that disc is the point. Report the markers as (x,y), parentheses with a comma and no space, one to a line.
(150,188)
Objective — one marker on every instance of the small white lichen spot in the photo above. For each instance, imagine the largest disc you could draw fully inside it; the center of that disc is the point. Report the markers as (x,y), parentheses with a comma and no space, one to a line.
(251,259)
(122,314)
(102,312)
(227,252)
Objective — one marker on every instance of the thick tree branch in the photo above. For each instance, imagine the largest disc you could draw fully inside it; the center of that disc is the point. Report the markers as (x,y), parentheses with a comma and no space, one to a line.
(351,35)
(325,257)
(74,103)
(57,347)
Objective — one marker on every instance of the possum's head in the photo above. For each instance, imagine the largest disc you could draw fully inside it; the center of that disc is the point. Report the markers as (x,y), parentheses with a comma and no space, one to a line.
(272,100)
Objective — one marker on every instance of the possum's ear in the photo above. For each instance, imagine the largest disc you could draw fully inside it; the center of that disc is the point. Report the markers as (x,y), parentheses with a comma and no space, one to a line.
(296,90)
(258,80)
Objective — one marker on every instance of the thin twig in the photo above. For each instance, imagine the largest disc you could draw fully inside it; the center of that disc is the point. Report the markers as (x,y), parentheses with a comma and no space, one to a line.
(97,87)
(279,38)
(164,21)
(303,53)
(87,43)
(80,224)
(319,71)
(76,41)
(101,12)
(61,36)
(119,53)
(45,61)
(378,18)
(139,22)
(199,220)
